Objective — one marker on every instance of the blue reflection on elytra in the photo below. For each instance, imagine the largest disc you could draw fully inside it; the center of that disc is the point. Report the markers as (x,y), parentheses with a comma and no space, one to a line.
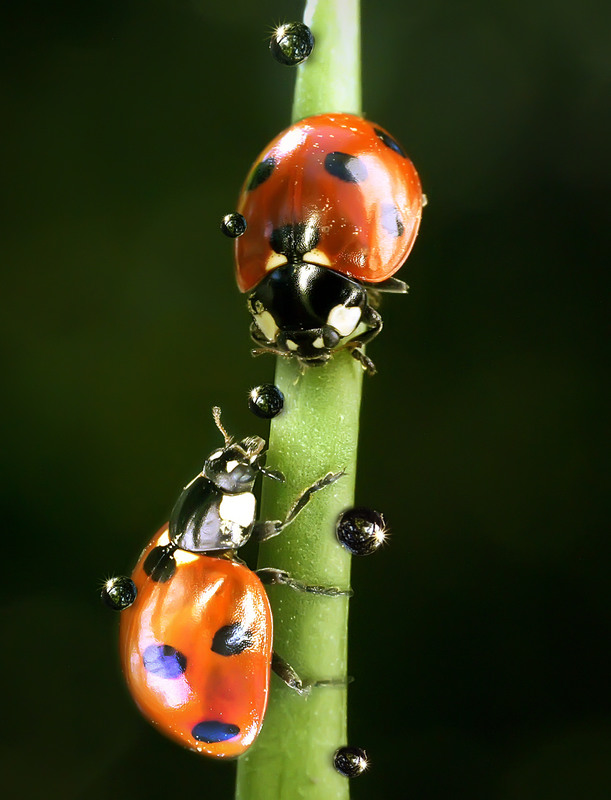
(164,661)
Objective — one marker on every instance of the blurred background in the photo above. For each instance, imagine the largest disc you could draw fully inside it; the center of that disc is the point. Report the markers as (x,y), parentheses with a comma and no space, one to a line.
(480,636)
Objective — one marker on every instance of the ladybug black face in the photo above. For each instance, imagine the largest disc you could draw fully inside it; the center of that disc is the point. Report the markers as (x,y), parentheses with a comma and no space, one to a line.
(234,468)
(306,310)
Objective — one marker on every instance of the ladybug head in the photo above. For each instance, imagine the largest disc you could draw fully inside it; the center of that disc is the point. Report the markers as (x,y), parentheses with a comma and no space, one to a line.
(234,468)
(306,310)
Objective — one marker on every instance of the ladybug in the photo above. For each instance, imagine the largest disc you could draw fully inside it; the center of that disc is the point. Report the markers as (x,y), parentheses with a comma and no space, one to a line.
(196,625)
(328,213)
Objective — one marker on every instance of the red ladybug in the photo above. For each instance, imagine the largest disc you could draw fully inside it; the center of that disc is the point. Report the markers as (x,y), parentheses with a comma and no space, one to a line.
(196,625)
(196,650)
(327,215)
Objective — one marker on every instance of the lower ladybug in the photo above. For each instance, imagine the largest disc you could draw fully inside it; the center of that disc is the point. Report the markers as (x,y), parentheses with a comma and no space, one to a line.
(328,213)
(196,625)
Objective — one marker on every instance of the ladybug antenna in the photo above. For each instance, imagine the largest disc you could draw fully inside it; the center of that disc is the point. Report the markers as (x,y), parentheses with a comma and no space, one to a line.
(216,413)
(274,474)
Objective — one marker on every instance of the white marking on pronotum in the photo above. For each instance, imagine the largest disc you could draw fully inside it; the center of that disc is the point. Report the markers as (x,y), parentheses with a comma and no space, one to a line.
(164,539)
(180,556)
(231,465)
(343,319)
(318,342)
(238,508)
(267,324)
(184,557)
(275,260)
(317,257)
(291,345)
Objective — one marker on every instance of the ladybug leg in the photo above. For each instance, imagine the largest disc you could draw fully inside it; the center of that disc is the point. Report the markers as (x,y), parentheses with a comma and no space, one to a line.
(373,321)
(270,576)
(364,361)
(288,675)
(274,474)
(274,351)
(267,529)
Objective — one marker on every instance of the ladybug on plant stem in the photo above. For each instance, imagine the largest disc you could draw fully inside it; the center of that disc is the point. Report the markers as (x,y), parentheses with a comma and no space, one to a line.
(328,213)
(196,625)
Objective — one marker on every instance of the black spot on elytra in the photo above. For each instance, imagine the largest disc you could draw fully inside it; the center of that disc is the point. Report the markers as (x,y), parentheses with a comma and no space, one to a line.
(294,240)
(212,731)
(391,219)
(231,640)
(164,661)
(261,173)
(160,563)
(390,142)
(350,169)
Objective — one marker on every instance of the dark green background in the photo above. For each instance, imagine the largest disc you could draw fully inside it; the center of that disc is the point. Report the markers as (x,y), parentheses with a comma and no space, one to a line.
(480,636)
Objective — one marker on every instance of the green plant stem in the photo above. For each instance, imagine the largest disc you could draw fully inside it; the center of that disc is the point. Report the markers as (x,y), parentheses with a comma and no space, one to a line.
(316,433)
(330,80)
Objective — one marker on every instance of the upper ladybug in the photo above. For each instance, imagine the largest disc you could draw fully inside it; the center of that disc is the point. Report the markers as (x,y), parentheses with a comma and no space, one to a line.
(332,195)
(350,188)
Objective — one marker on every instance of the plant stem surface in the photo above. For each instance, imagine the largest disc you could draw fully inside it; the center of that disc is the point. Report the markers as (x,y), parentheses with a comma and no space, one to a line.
(316,433)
